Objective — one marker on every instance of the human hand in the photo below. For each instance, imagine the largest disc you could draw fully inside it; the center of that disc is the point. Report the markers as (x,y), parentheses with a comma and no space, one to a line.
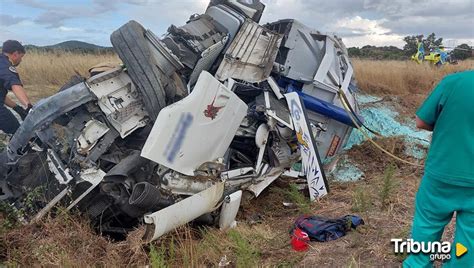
(20,111)
(28,108)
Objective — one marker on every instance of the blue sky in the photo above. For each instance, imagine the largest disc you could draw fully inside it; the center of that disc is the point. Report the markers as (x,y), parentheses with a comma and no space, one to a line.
(360,22)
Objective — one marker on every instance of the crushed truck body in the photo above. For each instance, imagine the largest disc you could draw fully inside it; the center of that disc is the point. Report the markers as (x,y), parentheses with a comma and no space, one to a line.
(189,122)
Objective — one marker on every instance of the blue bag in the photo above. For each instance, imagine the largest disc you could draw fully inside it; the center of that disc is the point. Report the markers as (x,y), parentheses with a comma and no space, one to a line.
(324,229)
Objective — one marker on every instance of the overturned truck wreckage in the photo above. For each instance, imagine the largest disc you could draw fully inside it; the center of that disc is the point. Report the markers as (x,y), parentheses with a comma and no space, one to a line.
(190,120)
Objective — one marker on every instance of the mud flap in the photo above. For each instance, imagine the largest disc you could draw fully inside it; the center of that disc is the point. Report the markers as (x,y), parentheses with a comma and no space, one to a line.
(169,218)
(311,161)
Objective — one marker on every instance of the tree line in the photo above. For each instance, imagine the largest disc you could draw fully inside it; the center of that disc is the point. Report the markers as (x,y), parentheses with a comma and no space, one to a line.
(460,52)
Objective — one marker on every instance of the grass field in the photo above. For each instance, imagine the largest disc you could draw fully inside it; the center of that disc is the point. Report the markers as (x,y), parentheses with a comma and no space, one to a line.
(44,73)
(401,77)
(384,198)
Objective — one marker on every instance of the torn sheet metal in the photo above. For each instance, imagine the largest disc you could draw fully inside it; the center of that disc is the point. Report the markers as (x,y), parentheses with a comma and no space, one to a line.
(92,132)
(312,167)
(119,100)
(251,54)
(45,111)
(92,175)
(275,88)
(235,173)
(208,57)
(265,181)
(180,213)
(60,172)
(197,129)
(278,110)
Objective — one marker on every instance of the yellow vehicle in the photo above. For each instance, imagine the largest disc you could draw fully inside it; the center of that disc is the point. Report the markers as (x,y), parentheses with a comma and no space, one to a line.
(439,56)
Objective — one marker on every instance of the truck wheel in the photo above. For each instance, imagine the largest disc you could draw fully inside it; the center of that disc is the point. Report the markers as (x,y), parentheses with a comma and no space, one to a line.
(131,46)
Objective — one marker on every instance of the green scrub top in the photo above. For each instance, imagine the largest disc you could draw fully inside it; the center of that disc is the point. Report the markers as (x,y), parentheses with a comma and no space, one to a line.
(450,109)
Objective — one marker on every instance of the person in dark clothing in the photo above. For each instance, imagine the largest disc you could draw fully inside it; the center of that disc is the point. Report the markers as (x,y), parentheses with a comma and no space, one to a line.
(12,53)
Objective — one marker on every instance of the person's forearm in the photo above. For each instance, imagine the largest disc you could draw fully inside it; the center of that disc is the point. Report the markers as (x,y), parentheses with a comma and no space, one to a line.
(9,102)
(21,95)
(422,125)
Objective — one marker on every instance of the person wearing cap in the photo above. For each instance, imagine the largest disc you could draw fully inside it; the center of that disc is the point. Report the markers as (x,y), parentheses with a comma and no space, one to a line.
(12,53)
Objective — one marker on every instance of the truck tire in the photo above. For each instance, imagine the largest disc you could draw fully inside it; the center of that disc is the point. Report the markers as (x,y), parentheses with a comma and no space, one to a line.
(131,46)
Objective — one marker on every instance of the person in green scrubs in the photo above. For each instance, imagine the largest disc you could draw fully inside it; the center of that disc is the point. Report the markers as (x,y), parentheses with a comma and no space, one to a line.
(448,182)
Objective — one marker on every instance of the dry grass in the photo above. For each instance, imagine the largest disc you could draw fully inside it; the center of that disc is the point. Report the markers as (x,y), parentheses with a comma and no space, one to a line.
(401,77)
(385,202)
(44,73)
(55,69)
(68,241)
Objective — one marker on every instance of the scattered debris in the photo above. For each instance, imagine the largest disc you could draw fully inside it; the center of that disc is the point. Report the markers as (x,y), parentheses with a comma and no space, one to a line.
(381,116)
(346,170)
(224,262)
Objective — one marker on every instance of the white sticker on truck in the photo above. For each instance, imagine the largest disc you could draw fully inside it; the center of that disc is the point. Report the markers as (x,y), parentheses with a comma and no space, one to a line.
(311,162)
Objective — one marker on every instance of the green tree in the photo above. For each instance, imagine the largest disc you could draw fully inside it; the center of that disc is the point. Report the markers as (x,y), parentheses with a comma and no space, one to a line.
(411,45)
(353,52)
(462,52)
(429,42)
